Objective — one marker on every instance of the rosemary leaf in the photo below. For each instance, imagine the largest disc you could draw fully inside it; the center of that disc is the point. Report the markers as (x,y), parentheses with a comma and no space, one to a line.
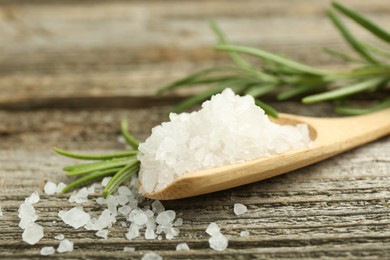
(350,38)
(95,156)
(343,56)
(363,21)
(297,91)
(120,177)
(130,140)
(259,90)
(99,167)
(89,178)
(267,108)
(272,57)
(358,111)
(345,91)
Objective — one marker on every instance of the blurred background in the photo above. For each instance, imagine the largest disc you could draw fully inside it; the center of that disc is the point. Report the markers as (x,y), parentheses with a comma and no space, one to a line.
(71,70)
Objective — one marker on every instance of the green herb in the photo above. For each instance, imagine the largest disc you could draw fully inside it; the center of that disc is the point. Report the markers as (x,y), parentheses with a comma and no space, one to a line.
(120,165)
(285,79)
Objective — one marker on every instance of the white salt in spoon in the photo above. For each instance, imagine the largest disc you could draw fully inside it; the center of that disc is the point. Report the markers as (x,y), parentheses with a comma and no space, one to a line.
(330,136)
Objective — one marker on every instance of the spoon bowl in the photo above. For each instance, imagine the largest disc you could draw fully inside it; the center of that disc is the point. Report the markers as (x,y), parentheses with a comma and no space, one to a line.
(330,136)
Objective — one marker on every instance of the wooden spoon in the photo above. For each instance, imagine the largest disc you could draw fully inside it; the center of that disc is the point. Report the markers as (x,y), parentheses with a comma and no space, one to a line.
(330,136)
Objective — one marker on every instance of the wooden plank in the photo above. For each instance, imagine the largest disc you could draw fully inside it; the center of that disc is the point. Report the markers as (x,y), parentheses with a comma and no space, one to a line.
(337,208)
(111,49)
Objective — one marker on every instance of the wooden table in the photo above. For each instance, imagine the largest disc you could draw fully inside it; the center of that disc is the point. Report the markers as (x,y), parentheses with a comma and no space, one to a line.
(70,71)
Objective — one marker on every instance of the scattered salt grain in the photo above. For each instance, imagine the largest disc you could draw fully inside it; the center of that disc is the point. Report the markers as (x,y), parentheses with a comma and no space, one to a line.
(218,242)
(47,250)
(244,233)
(105,181)
(124,210)
(65,246)
(182,247)
(27,215)
(166,217)
(228,129)
(101,201)
(102,233)
(133,231)
(75,217)
(157,207)
(80,196)
(50,188)
(128,249)
(213,229)
(178,222)
(32,234)
(60,187)
(151,256)
(149,233)
(34,198)
(240,209)
(59,237)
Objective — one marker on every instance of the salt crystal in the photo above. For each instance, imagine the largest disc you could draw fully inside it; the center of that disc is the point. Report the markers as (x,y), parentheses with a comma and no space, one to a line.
(34,198)
(50,188)
(27,215)
(101,201)
(149,233)
(47,250)
(32,234)
(240,209)
(157,207)
(80,196)
(128,249)
(75,217)
(133,232)
(218,242)
(213,229)
(65,246)
(105,181)
(228,129)
(178,222)
(102,233)
(60,187)
(123,190)
(244,233)
(59,237)
(124,210)
(166,217)
(182,247)
(151,256)
(140,219)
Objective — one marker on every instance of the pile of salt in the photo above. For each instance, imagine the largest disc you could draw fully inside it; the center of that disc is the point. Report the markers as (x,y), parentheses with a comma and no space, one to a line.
(228,129)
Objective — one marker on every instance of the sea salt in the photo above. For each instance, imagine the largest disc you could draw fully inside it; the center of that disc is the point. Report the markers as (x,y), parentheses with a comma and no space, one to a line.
(65,246)
(75,217)
(50,188)
(105,181)
(27,215)
(34,198)
(182,247)
(128,249)
(217,240)
(240,209)
(59,237)
(80,196)
(60,187)
(244,233)
(47,250)
(151,256)
(32,234)
(213,229)
(102,233)
(228,129)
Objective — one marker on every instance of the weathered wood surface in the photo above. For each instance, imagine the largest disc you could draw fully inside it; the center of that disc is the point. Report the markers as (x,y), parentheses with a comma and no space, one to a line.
(87,65)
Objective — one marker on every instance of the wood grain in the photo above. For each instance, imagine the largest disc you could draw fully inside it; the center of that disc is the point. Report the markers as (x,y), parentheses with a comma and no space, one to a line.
(71,70)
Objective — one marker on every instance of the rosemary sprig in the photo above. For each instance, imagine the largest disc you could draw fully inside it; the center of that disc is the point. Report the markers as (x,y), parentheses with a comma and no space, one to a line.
(285,79)
(120,165)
